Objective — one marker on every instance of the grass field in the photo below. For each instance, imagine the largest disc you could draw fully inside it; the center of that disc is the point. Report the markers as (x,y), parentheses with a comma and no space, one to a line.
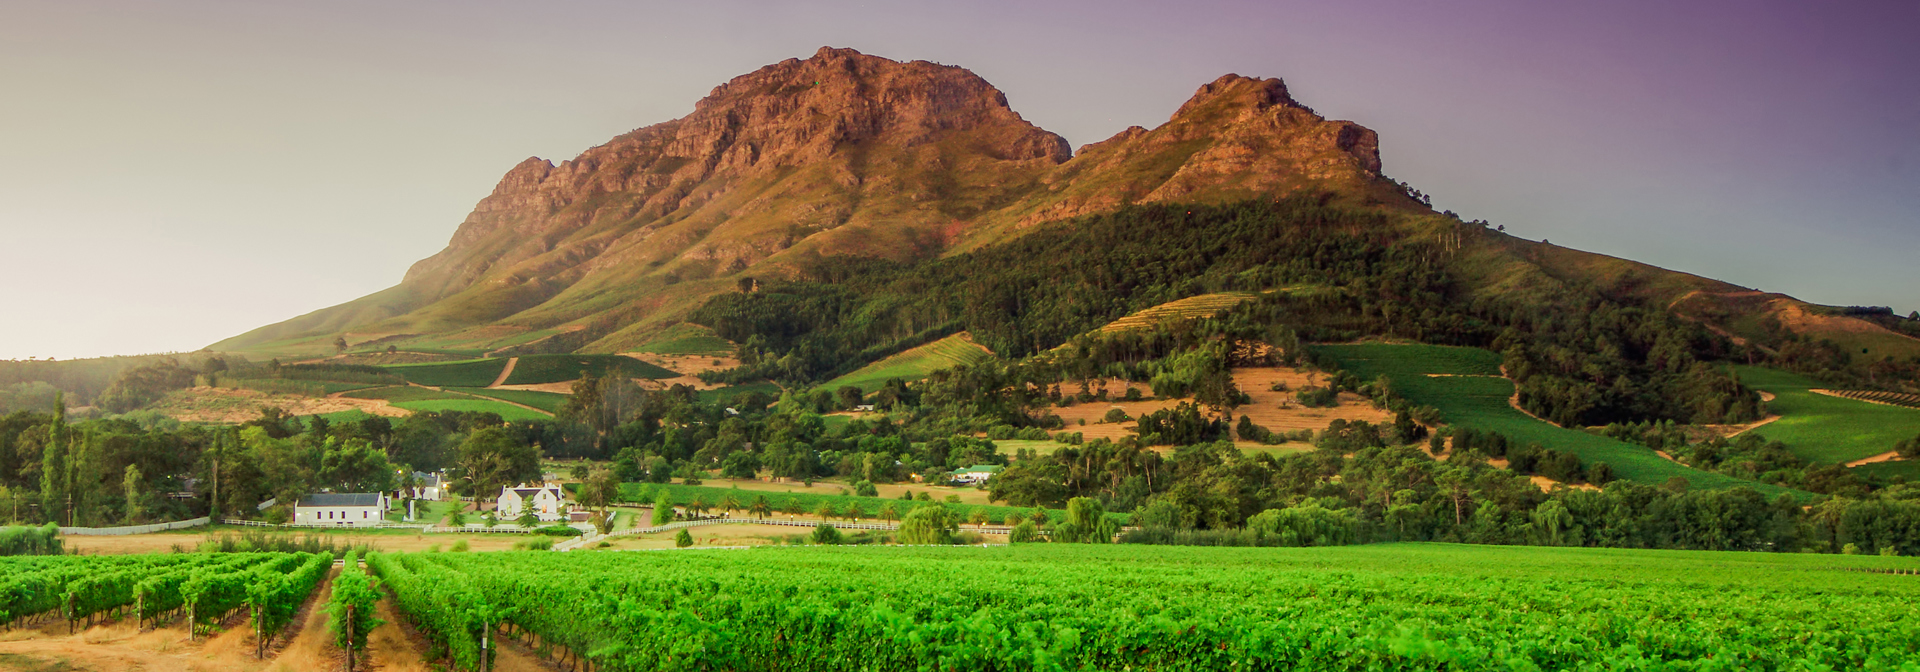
(546,401)
(1471,393)
(1013,446)
(914,364)
(1205,305)
(541,369)
(1827,429)
(687,339)
(472,405)
(466,373)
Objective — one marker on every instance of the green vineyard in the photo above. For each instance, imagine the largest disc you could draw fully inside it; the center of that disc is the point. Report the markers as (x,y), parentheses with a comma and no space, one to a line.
(1074,607)
(206,588)
(1880,397)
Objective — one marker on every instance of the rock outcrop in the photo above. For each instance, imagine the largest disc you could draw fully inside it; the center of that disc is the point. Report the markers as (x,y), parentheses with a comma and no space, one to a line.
(838,154)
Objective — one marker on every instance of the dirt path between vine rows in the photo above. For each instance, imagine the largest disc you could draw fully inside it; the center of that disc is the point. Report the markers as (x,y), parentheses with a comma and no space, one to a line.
(1889,456)
(394,646)
(124,645)
(505,373)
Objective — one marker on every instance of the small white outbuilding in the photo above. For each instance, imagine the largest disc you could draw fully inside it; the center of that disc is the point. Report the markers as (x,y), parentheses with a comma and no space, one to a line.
(343,509)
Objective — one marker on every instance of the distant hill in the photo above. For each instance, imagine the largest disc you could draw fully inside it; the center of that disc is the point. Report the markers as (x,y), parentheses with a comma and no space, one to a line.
(844,156)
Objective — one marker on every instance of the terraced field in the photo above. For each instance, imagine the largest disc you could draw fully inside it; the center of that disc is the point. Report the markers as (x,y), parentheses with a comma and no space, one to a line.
(1465,384)
(1902,399)
(1205,305)
(543,369)
(1826,428)
(914,364)
(546,401)
(465,373)
(471,405)
(399,393)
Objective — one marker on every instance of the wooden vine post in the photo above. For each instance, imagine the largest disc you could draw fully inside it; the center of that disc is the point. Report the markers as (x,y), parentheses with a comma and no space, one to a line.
(349,632)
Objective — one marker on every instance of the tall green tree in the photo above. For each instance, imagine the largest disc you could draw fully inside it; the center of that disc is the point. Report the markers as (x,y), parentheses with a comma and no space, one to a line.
(54,483)
(491,459)
(135,497)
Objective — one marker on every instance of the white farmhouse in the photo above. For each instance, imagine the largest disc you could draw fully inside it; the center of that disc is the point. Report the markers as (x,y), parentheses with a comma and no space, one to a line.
(349,509)
(979,473)
(428,486)
(544,501)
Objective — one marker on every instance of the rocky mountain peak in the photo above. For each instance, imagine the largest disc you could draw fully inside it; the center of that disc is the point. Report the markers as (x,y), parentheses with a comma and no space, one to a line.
(1234,89)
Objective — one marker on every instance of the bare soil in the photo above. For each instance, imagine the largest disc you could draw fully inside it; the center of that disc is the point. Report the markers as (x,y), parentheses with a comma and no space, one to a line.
(688,366)
(504,373)
(1276,411)
(1731,431)
(232,406)
(164,543)
(394,647)
(1889,456)
(122,645)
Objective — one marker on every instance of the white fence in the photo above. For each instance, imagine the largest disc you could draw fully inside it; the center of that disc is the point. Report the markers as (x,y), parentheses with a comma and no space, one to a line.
(133,529)
(752,521)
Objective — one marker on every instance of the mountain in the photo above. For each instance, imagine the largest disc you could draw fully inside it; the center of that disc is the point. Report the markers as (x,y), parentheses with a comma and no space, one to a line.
(850,155)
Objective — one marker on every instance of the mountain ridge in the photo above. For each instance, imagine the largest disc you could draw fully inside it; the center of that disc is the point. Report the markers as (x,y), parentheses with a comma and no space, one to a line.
(844,154)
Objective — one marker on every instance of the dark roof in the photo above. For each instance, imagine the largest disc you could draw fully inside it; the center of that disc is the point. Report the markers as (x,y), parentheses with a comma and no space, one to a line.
(528,492)
(341,499)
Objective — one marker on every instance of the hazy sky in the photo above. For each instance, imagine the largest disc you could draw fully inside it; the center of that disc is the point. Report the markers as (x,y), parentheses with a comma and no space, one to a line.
(175,173)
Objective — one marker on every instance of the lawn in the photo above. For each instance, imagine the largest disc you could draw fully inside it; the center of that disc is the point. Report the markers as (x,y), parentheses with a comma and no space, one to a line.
(546,401)
(913,364)
(542,369)
(472,405)
(1827,429)
(1470,392)
(466,373)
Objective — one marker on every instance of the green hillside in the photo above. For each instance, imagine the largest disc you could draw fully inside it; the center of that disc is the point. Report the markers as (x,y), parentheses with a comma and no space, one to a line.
(1825,428)
(541,369)
(914,364)
(467,373)
(1465,384)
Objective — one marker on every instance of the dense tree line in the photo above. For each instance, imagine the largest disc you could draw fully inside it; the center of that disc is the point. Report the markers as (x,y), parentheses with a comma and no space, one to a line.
(1579,356)
(115,471)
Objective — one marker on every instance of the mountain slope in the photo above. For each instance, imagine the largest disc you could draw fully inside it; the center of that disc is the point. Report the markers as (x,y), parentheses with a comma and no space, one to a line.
(849,155)
(838,154)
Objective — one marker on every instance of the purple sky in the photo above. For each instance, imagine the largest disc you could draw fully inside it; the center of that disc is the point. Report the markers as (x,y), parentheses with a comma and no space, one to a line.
(176,173)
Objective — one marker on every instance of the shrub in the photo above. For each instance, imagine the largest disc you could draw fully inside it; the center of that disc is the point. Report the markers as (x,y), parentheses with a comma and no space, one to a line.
(824,535)
(1317,397)
(558,531)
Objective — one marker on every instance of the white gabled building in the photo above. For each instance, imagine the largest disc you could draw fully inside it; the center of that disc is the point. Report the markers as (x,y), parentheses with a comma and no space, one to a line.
(347,509)
(544,500)
(428,486)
